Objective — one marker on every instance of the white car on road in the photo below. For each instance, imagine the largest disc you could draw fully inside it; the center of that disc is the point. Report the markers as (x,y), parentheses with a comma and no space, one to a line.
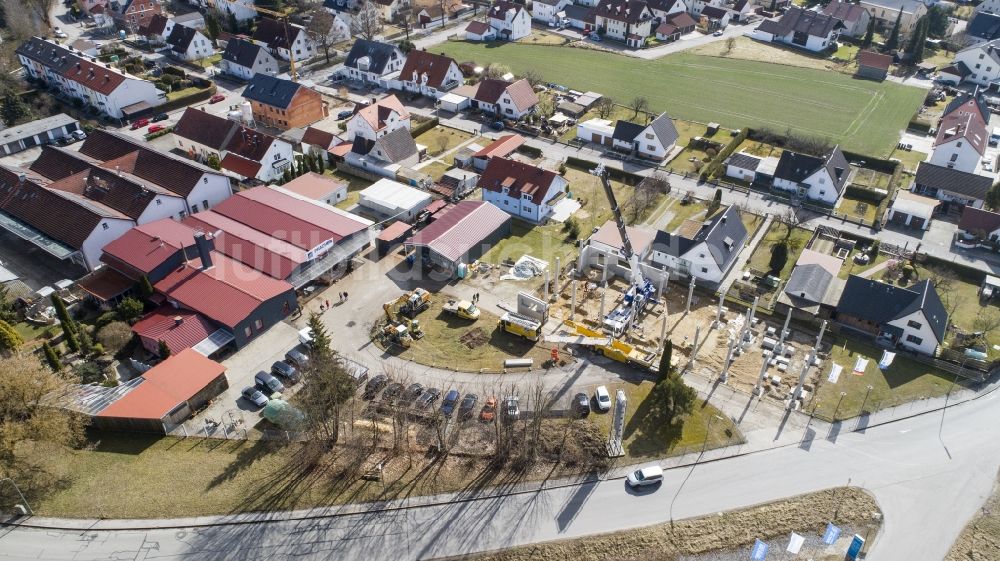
(650,475)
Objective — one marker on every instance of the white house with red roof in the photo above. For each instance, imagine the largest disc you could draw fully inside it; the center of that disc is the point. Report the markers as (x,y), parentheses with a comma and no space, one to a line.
(509,21)
(96,84)
(522,190)
(243,152)
(479,31)
(430,74)
(962,136)
(378,119)
(510,100)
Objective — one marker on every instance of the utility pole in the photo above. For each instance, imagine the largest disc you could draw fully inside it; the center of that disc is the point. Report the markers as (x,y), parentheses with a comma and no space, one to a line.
(694,346)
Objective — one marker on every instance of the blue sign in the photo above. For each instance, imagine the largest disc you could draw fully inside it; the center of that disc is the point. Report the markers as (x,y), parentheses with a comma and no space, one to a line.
(855,549)
(759,551)
(831,534)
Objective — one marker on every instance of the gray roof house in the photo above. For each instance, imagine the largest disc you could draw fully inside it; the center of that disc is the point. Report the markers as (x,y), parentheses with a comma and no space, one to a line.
(370,60)
(813,287)
(951,185)
(820,179)
(708,254)
(653,141)
(800,28)
(244,58)
(386,155)
(913,318)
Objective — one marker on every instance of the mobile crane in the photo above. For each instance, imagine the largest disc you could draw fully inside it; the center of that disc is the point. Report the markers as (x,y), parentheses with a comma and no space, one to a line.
(642,291)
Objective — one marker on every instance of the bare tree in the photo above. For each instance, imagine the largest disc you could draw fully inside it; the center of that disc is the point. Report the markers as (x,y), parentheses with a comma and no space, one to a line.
(39,9)
(442,142)
(791,219)
(639,104)
(367,23)
(322,30)
(533,78)
(645,196)
(495,71)
(942,279)
(443,6)
(605,106)
(986,321)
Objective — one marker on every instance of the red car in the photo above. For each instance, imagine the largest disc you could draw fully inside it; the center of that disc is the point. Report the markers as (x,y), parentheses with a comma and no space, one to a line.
(216,98)
(156,128)
(139,123)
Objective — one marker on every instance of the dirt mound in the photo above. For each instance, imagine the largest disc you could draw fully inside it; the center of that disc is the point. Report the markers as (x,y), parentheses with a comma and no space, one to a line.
(474,338)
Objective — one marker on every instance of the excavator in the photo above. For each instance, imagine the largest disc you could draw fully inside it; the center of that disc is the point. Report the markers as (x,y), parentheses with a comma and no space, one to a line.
(642,291)
(605,345)
(408,304)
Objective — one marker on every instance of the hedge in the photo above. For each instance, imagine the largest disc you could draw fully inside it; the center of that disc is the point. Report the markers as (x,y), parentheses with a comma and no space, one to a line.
(715,165)
(626,177)
(530,151)
(963,271)
(181,102)
(877,164)
(424,127)
(871,195)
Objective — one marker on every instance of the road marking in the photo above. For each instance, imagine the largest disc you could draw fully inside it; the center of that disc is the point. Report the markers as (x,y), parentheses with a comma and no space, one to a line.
(904,431)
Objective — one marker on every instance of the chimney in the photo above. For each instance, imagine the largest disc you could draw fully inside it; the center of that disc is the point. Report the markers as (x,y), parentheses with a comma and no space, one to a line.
(21,178)
(204,250)
(178,320)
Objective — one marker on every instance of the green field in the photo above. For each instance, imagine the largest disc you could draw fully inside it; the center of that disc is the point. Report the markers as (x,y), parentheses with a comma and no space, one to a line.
(862,116)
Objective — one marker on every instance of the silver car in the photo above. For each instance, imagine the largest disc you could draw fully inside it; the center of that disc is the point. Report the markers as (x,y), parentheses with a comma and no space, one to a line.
(255,396)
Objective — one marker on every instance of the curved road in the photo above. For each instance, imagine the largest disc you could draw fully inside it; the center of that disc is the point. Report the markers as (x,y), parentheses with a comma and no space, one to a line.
(929,473)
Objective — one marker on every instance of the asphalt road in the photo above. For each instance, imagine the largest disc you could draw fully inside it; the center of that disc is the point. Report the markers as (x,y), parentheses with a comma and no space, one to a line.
(916,468)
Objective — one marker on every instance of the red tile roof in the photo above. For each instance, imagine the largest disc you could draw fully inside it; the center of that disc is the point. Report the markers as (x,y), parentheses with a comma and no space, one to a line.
(314,186)
(874,60)
(179,329)
(146,247)
(422,62)
(105,283)
(264,253)
(240,165)
(477,27)
(167,385)
(94,76)
(318,137)
(461,228)
(501,147)
(979,220)
(519,178)
(521,93)
(377,113)
(228,293)
(204,128)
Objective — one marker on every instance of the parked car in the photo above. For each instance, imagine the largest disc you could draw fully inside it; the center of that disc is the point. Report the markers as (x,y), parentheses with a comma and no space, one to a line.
(79,134)
(159,117)
(651,475)
(428,398)
(581,403)
(254,396)
(489,409)
(414,391)
(511,409)
(268,384)
(344,114)
(286,371)
(497,125)
(375,385)
(155,128)
(718,33)
(58,32)
(216,98)
(139,123)
(603,398)
(468,406)
(449,403)
(392,391)
(297,358)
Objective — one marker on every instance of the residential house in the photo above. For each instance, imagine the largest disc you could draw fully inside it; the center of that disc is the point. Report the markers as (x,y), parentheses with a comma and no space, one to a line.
(479,31)
(713,18)
(244,152)
(522,190)
(284,39)
(373,62)
(103,18)
(386,155)
(509,21)
(912,210)
(978,64)
(819,179)
(133,14)
(695,7)
(378,119)
(962,136)
(774,6)
(191,19)
(911,318)
(989,6)
(706,251)
(284,104)
(157,29)
(951,185)
(187,43)
(980,224)
(36,133)
(873,66)
(628,21)
(510,100)
(87,6)
(389,9)
(244,59)
(682,21)
(430,74)
(800,28)
(96,84)
(750,168)
(546,11)
(814,287)
(984,27)
(502,147)
(580,17)
(315,187)
(241,10)
(662,10)
(854,17)
(886,12)
(437,15)
(652,141)
(742,10)
(317,142)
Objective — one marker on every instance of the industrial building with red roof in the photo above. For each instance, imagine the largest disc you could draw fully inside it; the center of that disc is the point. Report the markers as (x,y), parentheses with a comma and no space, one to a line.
(461,234)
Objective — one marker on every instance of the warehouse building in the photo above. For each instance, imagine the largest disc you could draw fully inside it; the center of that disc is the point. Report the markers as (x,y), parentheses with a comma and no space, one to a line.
(390,199)
(460,234)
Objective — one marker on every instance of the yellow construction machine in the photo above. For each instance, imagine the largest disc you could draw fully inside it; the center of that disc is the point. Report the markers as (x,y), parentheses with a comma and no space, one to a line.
(521,325)
(409,304)
(608,346)
(462,308)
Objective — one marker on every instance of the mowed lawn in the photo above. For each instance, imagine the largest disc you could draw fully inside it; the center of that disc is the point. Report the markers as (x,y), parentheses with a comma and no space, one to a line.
(862,116)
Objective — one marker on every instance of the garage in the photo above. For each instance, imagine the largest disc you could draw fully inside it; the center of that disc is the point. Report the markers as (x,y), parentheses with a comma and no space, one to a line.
(912,210)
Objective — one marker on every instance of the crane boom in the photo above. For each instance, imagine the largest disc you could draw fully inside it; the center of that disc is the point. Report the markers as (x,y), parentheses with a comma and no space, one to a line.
(601,172)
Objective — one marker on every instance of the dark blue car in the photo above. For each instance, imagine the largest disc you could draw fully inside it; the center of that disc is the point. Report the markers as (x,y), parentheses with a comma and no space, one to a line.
(449,403)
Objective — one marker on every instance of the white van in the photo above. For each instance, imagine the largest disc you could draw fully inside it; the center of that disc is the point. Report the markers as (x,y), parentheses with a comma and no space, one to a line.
(650,475)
